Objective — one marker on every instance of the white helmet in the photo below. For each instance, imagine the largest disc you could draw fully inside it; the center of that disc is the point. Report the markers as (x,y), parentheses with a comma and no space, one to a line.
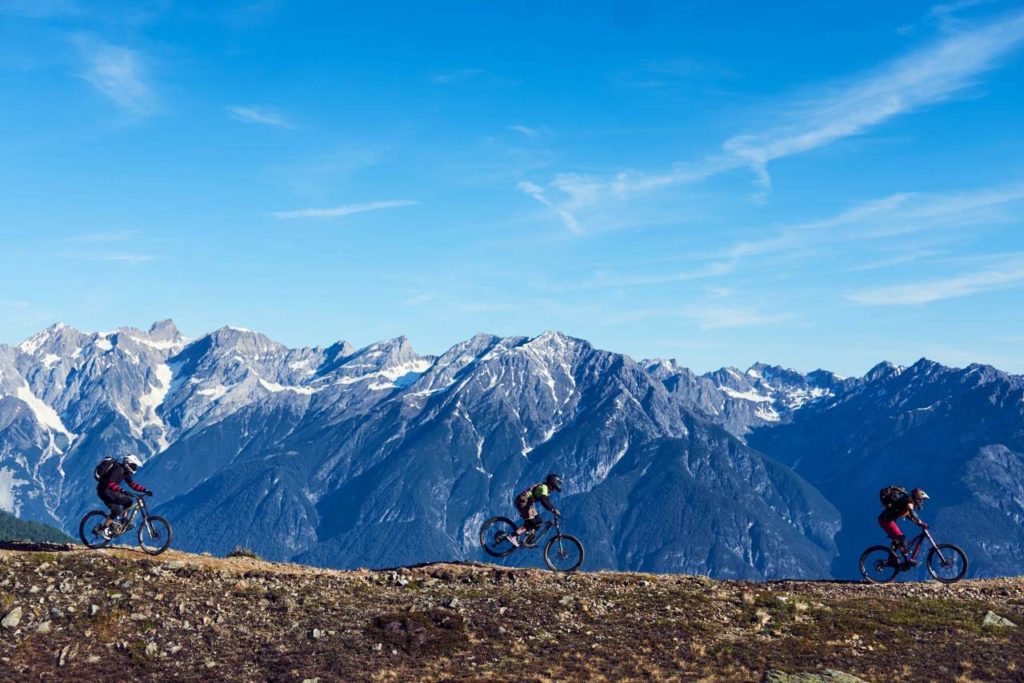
(132,462)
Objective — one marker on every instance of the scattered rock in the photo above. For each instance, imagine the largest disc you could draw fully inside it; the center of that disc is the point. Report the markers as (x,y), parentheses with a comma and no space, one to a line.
(174,564)
(993,619)
(451,603)
(12,619)
(151,650)
(317,634)
(44,627)
(826,676)
(93,610)
(67,654)
(56,613)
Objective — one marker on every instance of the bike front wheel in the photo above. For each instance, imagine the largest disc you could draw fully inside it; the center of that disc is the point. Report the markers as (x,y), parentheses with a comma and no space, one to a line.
(89,529)
(563,553)
(494,535)
(154,535)
(947,563)
(879,564)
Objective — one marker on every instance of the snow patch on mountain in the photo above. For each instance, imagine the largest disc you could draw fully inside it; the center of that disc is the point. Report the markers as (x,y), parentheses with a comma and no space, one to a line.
(8,482)
(45,415)
(274,388)
(750,395)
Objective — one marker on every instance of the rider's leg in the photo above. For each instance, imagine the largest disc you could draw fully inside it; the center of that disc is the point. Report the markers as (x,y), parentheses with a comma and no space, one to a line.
(892,530)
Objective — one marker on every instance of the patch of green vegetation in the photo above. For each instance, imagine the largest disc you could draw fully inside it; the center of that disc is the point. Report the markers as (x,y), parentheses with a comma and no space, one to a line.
(39,558)
(14,529)
(241,551)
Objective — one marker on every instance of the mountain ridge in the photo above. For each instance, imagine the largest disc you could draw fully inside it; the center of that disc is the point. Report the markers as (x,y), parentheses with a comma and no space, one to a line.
(380,455)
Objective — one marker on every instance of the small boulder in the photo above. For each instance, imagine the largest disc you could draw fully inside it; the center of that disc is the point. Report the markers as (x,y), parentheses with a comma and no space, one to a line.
(44,627)
(12,618)
(993,619)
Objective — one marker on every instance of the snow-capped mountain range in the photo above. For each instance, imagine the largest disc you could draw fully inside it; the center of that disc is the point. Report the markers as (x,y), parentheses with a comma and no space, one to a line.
(380,456)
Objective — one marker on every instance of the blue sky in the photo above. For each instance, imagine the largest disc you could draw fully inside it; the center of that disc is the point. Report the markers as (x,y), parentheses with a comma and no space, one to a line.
(811,184)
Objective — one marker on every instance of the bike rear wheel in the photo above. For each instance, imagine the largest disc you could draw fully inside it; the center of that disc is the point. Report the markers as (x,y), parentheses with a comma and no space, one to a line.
(89,529)
(154,535)
(494,536)
(879,564)
(948,567)
(563,553)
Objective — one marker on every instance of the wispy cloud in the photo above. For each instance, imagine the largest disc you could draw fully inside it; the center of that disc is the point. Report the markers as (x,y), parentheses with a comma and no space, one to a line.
(131,258)
(707,316)
(663,73)
(119,73)
(449,77)
(928,76)
(124,258)
(1006,274)
(725,317)
(605,280)
(345,210)
(259,115)
(537,192)
(525,130)
(114,236)
(898,214)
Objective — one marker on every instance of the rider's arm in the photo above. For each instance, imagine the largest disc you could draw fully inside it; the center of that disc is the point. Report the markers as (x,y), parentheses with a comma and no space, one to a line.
(913,516)
(135,485)
(546,502)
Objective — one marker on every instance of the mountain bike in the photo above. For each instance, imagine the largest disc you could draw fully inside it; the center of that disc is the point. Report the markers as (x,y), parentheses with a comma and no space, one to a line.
(562,552)
(946,562)
(154,531)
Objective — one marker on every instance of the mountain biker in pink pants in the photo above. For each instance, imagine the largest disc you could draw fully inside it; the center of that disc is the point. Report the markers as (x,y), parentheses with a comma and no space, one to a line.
(903,506)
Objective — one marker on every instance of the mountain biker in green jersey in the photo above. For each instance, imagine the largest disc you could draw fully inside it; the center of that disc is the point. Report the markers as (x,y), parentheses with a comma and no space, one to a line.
(526,503)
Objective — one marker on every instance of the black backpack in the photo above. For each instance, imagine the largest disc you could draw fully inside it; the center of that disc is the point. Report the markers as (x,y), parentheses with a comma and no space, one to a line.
(103,469)
(891,495)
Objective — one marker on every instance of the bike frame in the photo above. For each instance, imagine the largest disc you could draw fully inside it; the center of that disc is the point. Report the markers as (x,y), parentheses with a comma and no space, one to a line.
(917,543)
(132,510)
(541,532)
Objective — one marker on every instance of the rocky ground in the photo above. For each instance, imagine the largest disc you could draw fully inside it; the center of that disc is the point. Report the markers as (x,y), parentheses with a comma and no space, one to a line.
(118,615)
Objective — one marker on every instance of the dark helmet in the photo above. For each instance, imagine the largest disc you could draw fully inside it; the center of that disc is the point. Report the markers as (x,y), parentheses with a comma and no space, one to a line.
(131,462)
(553,481)
(919,496)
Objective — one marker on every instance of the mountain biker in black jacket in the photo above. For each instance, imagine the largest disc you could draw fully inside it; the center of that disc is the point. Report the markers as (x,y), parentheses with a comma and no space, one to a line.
(110,492)
(527,499)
